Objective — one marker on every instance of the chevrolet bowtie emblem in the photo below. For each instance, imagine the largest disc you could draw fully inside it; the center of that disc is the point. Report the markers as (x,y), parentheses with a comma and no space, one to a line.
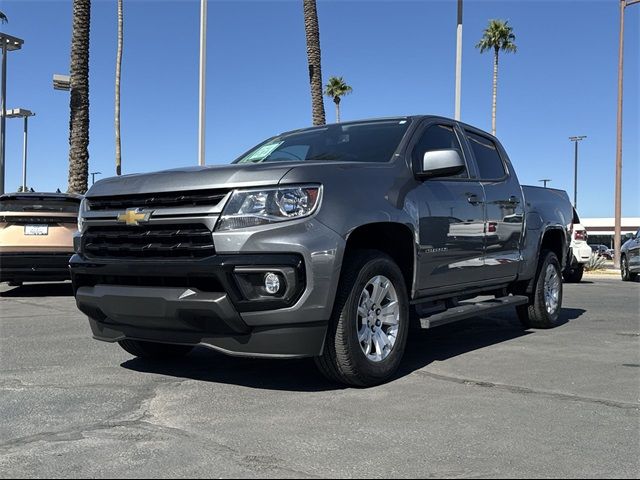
(133,217)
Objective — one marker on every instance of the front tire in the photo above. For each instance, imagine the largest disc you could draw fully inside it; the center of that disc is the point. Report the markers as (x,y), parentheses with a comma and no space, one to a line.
(545,303)
(154,351)
(573,274)
(368,330)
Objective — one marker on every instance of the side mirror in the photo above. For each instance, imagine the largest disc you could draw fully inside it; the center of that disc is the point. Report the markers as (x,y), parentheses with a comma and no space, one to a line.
(439,163)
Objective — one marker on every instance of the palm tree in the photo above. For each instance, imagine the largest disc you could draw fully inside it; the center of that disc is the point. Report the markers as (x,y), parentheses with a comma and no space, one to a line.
(118,76)
(497,36)
(335,89)
(313,57)
(79,104)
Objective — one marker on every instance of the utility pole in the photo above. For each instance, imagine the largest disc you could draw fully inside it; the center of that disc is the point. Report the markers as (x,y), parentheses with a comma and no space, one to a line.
(575,171)
(617,241)
(458,63)
(545,181)
(9,44)
(203,76)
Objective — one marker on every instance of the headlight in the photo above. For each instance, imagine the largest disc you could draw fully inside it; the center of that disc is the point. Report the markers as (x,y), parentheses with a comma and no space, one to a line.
(249,208)
(83,208)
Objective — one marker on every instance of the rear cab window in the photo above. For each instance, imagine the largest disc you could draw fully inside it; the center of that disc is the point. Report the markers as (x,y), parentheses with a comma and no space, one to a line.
(488,159)
(39,204)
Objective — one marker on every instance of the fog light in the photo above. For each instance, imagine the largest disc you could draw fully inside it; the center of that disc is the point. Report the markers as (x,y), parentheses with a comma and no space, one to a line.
(271,283)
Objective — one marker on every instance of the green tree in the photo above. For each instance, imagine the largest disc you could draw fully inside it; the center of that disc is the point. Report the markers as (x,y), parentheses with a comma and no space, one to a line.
(335,89)
(79,103)
(498,36)
(118,77)
(312,31)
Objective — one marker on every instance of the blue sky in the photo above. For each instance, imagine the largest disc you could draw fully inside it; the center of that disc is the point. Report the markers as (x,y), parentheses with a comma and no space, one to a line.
(398,56)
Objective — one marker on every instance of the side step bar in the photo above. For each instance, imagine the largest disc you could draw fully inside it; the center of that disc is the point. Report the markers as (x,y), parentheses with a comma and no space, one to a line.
(471,310)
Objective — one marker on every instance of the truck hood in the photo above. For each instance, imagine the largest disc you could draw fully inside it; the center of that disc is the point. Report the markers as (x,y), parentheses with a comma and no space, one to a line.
(211,177)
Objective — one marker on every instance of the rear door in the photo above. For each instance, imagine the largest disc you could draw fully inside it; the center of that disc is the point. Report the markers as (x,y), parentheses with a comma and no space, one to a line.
(504,206)
(451,218)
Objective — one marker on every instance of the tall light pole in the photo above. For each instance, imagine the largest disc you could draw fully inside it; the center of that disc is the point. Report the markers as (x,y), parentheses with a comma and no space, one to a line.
(575,140)
(9,44)
(203,75)
(93,176)
(458,62)
(545,181)
(617,241)
(24,114)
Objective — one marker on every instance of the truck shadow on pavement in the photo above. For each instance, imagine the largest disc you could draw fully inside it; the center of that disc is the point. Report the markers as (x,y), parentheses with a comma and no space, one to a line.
(423,348)
(34,290)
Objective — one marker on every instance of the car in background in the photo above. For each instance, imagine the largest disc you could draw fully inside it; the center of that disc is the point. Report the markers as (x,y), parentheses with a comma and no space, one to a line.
(630,258)
(602,251)
(36,236)
(579,252)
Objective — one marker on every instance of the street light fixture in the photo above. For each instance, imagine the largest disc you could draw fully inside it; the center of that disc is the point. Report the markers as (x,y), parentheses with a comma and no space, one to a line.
(617,241)
(575,140)
(25,114)
(93,176)
(61,82)
(9,44)
(545,181)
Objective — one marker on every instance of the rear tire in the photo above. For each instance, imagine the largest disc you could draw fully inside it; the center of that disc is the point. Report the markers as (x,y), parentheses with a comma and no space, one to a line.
(154,351)
(627,275)
(545,303)
(351,344)
(573,274)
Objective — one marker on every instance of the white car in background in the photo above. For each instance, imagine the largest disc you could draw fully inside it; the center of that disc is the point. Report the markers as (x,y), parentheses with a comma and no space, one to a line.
(579,252)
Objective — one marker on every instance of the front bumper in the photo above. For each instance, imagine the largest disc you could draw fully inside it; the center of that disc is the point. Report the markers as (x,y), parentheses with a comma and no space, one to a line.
(199,302)
(34,267)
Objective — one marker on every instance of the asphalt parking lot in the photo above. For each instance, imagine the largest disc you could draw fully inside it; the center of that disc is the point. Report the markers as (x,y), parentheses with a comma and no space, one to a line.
(482,398)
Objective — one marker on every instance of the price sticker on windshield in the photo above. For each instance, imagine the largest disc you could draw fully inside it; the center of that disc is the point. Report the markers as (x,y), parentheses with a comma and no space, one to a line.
(36,230)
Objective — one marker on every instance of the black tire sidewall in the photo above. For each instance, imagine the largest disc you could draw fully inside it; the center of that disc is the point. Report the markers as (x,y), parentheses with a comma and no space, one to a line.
(626,276)
(548,320)
(376,371)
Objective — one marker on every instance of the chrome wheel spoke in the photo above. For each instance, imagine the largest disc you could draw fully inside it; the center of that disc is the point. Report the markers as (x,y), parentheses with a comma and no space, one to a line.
(378,318)
(389,314)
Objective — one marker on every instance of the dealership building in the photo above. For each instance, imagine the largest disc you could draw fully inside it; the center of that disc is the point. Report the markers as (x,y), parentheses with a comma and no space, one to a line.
(601,230)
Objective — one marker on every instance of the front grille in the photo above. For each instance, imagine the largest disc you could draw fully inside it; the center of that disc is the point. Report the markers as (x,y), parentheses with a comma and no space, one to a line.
(151,241)
(158,200)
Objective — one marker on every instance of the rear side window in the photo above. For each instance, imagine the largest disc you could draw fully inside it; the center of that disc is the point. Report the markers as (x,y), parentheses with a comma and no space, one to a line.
(36,204)
(576,218)
(438,137)
(490,165)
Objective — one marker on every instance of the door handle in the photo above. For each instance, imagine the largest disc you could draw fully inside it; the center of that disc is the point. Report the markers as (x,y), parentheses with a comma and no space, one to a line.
(473,199)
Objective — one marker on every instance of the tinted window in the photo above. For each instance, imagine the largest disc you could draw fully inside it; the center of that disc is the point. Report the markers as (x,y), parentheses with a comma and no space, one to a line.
(374,141)
(490,164)
(437,137)
(576,218)
(35,204)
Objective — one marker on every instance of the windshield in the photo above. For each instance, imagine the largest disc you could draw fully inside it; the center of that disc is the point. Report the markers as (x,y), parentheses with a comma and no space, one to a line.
(35,204)
(374,141)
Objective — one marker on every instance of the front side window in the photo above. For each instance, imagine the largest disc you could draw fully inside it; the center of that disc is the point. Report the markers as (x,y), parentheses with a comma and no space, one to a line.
(490,165)
(374,141)
(438,137)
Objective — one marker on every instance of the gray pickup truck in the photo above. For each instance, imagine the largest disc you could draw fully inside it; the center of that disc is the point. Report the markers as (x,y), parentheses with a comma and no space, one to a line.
(331,242)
